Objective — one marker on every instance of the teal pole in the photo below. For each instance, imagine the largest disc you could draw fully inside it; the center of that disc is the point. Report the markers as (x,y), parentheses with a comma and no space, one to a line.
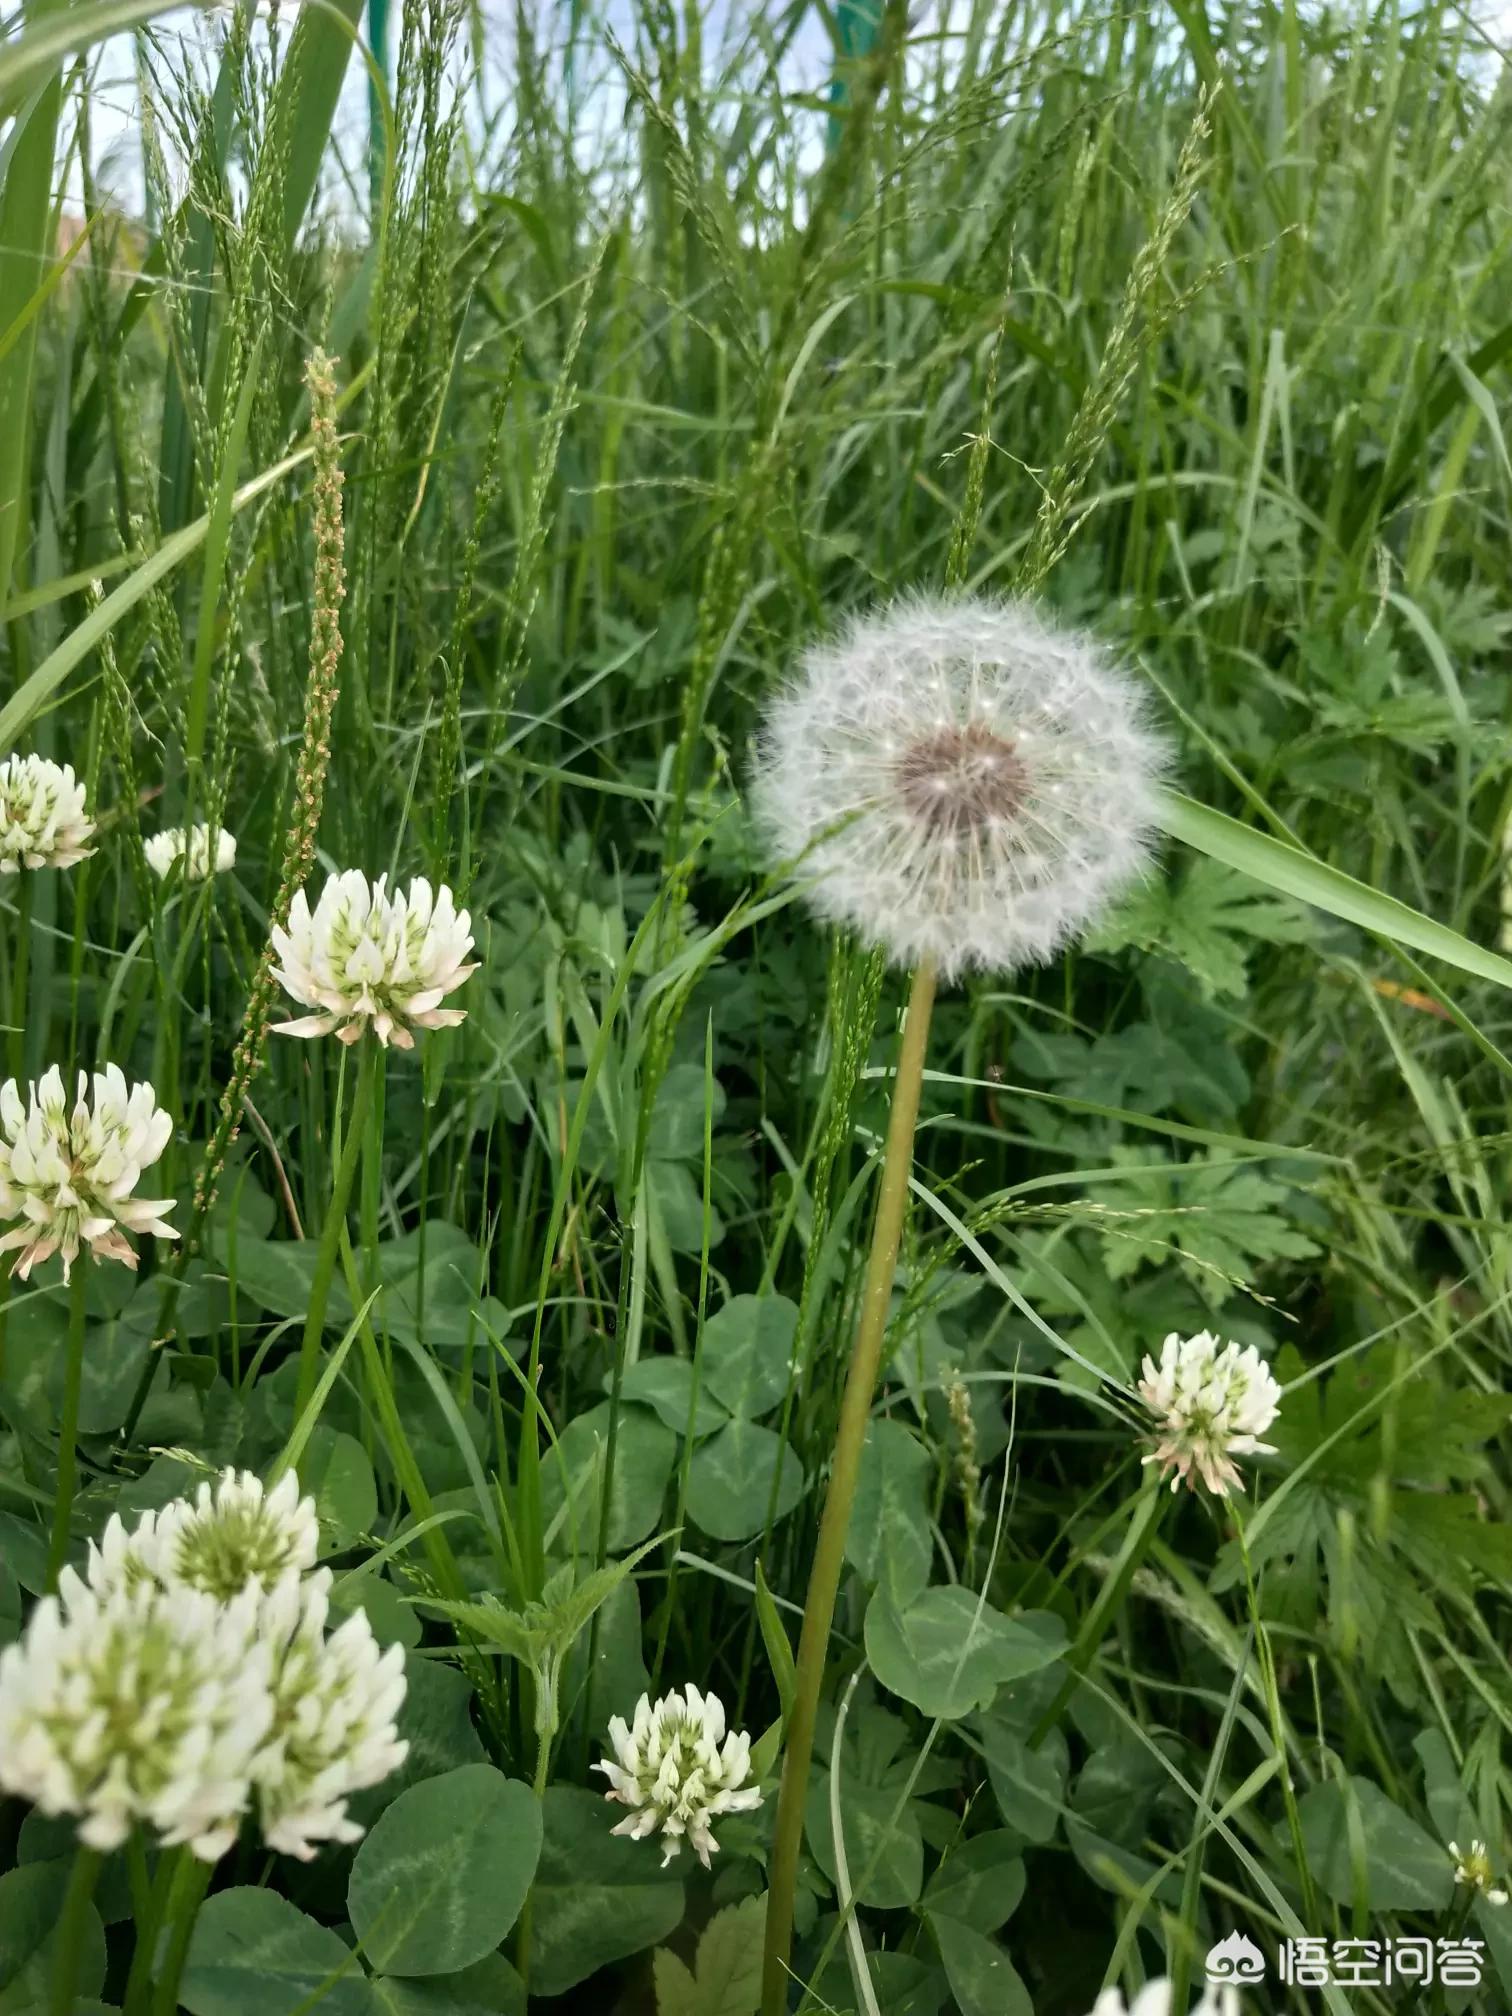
(378,22)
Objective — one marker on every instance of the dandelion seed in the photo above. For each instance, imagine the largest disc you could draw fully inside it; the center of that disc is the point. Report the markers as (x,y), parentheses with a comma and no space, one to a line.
(675,1765)
(1212,1402)
(200,857)
(222,1542)
(364,959)
(67,1174)
(962,781)
(1474,1870)
(334,1730)
(43,819)
(137,1705)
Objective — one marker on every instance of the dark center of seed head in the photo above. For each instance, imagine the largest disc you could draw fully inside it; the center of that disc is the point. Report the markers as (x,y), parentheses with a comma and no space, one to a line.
(961,779)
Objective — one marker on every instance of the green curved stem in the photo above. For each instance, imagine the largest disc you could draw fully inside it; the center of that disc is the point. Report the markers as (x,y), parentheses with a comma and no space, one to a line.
(335,1219)
(850,1436)
(68,1427)
(71,1931)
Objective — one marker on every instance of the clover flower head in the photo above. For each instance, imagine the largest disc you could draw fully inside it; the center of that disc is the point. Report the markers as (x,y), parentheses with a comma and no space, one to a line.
(226,1539)
(138,1705)
(676,1766)
(1473,1868)
(43,819)
(366,959)
(336,1699)
(67,1173)
(962,780)
(201,853)
(1212,1402)
(1154,1999)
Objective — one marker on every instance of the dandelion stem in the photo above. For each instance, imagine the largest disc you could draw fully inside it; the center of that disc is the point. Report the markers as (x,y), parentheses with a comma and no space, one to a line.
(829,1553)
(330,1232)
(68,1429)
(71,1940)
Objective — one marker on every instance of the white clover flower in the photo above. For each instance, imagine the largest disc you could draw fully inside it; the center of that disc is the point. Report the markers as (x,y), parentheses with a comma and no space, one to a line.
(1474,1870)
(137,1705)
(1212,1402)
(1154,1999)
(67,1174)
(43,820)
(334,1730)
(194,849)
(363,957)
(221,1541)
(963,781)
(671,1768)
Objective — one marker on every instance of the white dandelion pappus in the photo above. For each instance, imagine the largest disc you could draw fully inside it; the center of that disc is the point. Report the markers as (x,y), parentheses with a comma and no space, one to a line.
(960,779)
(138,1705)
(676,1766)
(1154,1999)
(365,958)
(1212,1402)
(228,1537)
(334,1732)
(1473,1868)
(44,822)
(67,1174)
(200,857)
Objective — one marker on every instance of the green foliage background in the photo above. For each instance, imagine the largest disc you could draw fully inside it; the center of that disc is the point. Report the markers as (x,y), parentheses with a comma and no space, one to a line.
(650,366)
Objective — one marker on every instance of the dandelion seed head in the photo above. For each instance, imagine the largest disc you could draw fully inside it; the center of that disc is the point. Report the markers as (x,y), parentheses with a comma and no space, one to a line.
(43,819)
(366,959)
(960,779)
(137,1705)
(677,1767)
(200,854)
(1212,1402)
(68,1172)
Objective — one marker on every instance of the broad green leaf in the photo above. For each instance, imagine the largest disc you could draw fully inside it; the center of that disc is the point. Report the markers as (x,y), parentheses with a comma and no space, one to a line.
(490,1987)
(725,1979)
(335,1470)
(1290,872)
(256,1954)
(31,1900)
(982,1978)
(1029,1785)
(440,1880)
(1403,1867)
(747,1353)
(572,1476)
(731,1480)
(665,1385)
(948,1653)
(598,1897)
(980,1882)
(884,1857)
(889,1536)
